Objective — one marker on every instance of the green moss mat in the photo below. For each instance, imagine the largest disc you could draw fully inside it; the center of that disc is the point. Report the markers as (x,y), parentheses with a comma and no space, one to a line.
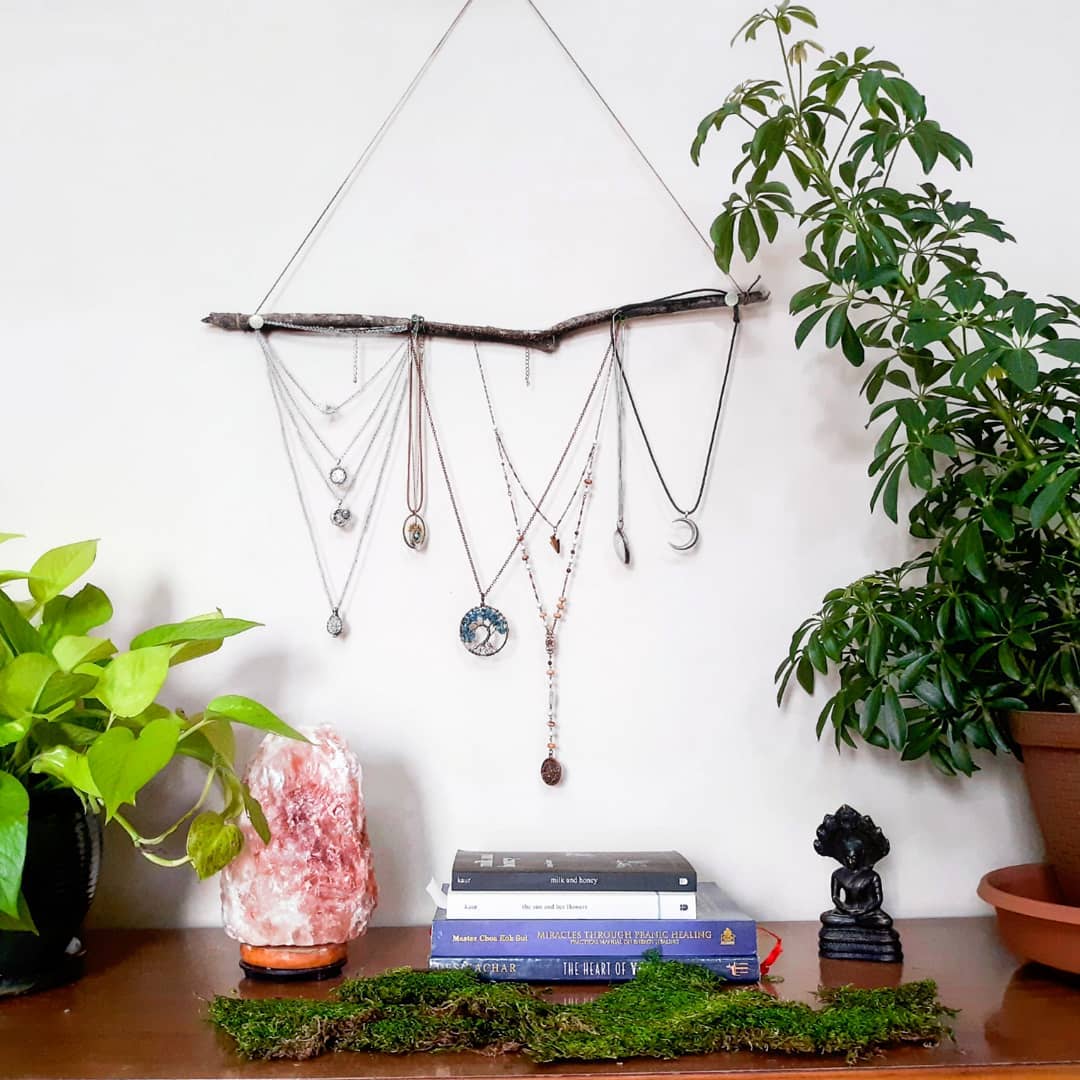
(668,1010)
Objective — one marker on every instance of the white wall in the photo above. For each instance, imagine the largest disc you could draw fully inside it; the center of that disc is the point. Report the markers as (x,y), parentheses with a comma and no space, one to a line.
(160,161)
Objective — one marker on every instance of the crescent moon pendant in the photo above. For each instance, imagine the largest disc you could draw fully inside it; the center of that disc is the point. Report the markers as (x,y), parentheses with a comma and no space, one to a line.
(691,539)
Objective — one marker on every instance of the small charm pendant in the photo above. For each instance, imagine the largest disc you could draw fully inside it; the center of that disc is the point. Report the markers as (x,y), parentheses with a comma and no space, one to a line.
(556,544)
(338,475)
(622,546)
(414,532)
(690,539)
(341,516)
(484,630)
(550,771)
(334,625)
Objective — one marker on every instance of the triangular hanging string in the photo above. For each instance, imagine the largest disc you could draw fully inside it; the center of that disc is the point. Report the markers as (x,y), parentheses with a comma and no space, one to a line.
(392,115)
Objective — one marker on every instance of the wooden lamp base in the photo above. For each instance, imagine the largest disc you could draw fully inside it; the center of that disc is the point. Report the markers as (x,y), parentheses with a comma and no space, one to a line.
(293,962)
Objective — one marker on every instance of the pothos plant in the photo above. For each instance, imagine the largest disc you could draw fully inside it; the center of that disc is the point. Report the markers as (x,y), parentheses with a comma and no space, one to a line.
(77,713)
(973,386)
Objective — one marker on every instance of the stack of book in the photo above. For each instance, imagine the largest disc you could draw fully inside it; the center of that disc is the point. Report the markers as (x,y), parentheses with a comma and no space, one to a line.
(586,917)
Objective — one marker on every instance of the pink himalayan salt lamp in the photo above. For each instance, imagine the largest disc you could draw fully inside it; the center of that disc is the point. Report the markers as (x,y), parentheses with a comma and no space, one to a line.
(296,902)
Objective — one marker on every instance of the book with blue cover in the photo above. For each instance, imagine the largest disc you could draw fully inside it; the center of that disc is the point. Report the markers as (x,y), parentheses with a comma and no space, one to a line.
(552,969)
(720,930)
(601,871)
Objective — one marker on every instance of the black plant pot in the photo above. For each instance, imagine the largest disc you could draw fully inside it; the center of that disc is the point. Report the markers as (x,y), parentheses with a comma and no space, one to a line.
(63,856)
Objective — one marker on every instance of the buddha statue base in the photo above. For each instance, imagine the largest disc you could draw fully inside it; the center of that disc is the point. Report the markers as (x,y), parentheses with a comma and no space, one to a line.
(877,945)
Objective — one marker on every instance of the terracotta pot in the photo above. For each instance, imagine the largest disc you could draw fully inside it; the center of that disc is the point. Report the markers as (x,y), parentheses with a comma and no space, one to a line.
(1050,742)
(1032,921)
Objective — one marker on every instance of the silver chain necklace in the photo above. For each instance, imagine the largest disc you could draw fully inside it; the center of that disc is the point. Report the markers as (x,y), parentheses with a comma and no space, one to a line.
(337,474)
(341,515)
(483,629)
(335,624)
(332,410)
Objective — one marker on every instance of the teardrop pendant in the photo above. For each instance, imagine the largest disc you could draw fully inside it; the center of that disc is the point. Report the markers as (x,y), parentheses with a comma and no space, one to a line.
(334,625)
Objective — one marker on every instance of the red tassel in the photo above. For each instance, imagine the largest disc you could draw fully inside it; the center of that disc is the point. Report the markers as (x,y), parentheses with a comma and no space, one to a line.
(777,951)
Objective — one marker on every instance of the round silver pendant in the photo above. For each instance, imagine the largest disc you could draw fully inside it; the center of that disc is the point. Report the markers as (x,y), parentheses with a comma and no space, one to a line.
(414,532)
(622,546)
(484,630)
(688,539)
(338,475)
(334,625)
(341,516)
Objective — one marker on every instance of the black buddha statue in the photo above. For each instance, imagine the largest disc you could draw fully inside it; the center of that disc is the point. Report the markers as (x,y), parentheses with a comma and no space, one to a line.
(856,928)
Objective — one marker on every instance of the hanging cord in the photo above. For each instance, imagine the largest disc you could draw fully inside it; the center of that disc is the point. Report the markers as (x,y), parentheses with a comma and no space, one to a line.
(616,318)
(391,116)
(622,127)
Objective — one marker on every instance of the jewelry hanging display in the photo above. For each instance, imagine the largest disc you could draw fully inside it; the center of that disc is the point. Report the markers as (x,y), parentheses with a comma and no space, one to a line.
(484,629)
(684,520)
(551,769)
(414,531)
(394,397)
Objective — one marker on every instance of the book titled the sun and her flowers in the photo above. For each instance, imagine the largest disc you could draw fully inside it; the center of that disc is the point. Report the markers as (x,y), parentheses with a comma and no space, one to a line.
(586,916)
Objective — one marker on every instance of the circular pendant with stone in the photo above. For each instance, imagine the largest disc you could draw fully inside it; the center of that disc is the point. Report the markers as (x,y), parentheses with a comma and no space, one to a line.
(341,516)
(484,630)
(414,532)
(338,475)
(550,771)
(334,625)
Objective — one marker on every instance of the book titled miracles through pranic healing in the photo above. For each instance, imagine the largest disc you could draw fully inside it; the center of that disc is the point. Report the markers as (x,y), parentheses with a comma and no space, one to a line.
(719,930)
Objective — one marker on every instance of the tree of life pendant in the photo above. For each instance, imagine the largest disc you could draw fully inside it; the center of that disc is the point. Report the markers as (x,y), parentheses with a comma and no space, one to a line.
(484,630)
(334,625)
(414,532)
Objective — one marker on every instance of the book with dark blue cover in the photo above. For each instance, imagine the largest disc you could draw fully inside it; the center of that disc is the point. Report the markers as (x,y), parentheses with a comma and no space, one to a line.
(720,929)
(555,969)
(601,871)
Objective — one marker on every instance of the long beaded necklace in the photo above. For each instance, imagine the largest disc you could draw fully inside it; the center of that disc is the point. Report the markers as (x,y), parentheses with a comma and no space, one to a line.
(551,770)
(685,515)
(335,623)
(484,629)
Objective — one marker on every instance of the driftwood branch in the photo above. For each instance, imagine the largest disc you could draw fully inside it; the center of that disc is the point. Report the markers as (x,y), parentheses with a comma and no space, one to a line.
(545,340)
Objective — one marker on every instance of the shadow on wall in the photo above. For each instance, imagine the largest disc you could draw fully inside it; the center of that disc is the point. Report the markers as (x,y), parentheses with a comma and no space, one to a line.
(402,866)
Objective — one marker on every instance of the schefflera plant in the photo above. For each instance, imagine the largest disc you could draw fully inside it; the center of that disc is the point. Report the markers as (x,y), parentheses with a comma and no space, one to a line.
(77,713)
(973,386)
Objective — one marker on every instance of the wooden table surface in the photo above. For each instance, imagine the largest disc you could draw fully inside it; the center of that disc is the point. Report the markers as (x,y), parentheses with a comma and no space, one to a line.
(139,1013)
